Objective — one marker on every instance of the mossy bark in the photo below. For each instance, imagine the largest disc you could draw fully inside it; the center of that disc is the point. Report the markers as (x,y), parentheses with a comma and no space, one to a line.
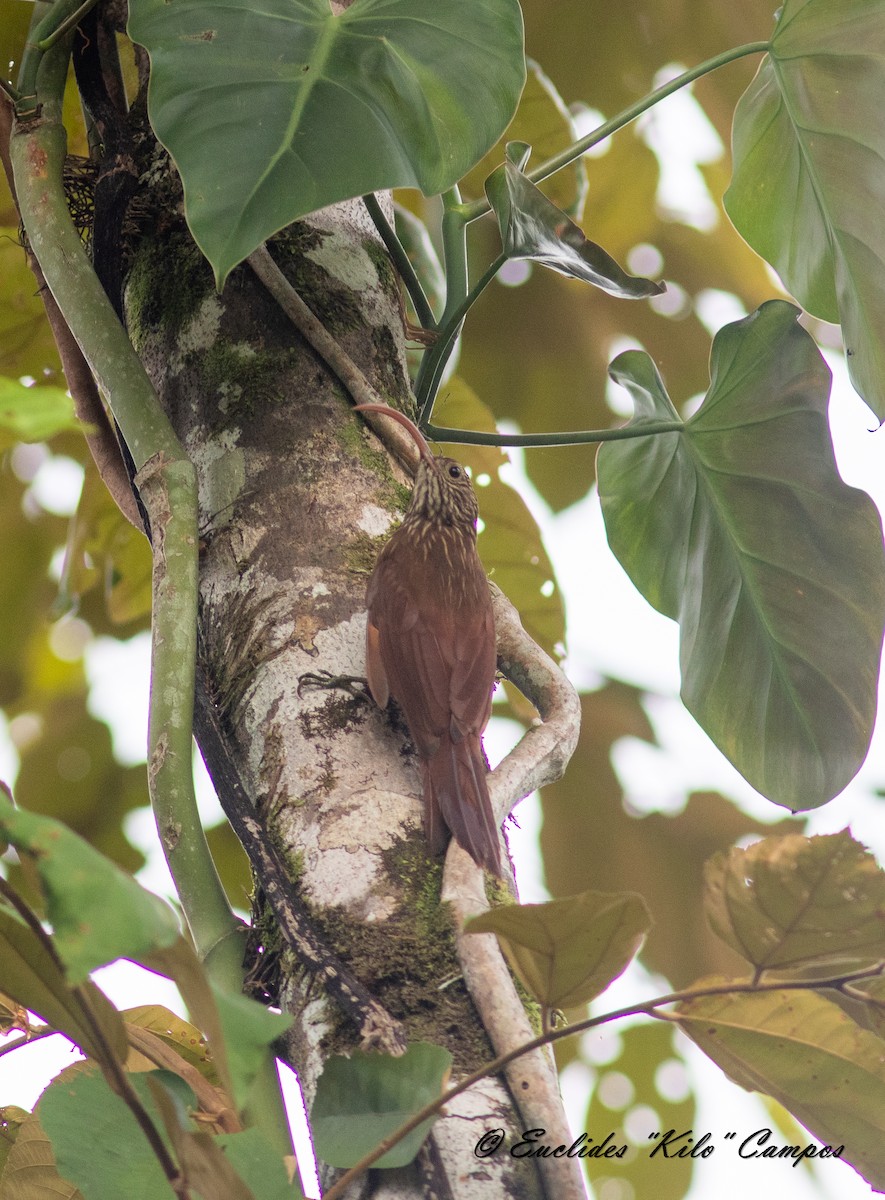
(295,497)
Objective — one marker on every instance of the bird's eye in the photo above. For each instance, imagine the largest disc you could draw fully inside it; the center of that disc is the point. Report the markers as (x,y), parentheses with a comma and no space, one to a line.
(455,471)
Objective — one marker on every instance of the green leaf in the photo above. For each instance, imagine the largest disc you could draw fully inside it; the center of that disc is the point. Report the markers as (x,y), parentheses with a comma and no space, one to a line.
(799,904)
(98,912)
(248,1030)
(361,1100)
(809,171)
(11,1120)
(739,527)
(181,1035)
(321,106)
(804,1051)
(533,227)
(33,977)
(202,1161)
(115,1158)
(257,1164)
(568,951)
(179,962)
(33,414)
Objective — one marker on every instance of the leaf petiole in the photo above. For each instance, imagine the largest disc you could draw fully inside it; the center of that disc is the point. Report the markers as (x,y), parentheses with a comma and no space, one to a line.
(473,437)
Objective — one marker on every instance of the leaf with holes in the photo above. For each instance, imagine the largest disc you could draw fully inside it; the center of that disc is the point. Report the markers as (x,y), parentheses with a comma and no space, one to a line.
(814,905)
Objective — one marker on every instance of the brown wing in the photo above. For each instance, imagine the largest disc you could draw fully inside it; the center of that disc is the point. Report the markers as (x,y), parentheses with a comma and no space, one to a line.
(435,642)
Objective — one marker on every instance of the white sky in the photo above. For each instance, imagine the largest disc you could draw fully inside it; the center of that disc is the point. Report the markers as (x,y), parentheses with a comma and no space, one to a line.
(611,631)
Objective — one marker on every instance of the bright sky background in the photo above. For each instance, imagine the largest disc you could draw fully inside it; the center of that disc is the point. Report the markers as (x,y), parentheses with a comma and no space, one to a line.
(611,631)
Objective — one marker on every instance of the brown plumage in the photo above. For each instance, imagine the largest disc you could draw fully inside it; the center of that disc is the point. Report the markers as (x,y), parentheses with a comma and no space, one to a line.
(430,643)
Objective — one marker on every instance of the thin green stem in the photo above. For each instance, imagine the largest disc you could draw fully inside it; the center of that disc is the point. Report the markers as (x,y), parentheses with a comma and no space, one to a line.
(454,239)
(407,273)
(644,1008)
(69,23)
(8,90)
(471,212)
(471,437)
(46,25)
(427,383)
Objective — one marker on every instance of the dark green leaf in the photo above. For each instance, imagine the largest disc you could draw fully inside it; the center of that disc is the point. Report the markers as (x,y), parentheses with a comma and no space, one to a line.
(204,1163)
(248,1030)
(33,414)
(809,174)
(115,1158)
(795,903)
(238,1029)
(740,528)
(361,1100)
(258,1165)
(804,1051)
(321,106)
(533,227)
(179,962)
(568,951)
(98,912)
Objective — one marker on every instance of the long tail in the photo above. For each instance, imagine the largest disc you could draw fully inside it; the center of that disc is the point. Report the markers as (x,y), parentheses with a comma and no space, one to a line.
(456,798)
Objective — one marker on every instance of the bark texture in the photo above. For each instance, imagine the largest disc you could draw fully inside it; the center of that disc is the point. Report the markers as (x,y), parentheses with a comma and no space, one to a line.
(296,498)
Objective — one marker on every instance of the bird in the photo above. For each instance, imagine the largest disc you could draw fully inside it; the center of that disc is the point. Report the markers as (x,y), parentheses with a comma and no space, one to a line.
(430,643)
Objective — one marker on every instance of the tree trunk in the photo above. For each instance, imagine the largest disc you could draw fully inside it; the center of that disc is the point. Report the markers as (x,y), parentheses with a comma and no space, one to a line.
(296,497)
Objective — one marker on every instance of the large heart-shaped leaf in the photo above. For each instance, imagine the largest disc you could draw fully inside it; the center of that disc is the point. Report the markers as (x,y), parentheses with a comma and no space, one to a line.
(739,527)
(533,227)
(276,108)
(809,171)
